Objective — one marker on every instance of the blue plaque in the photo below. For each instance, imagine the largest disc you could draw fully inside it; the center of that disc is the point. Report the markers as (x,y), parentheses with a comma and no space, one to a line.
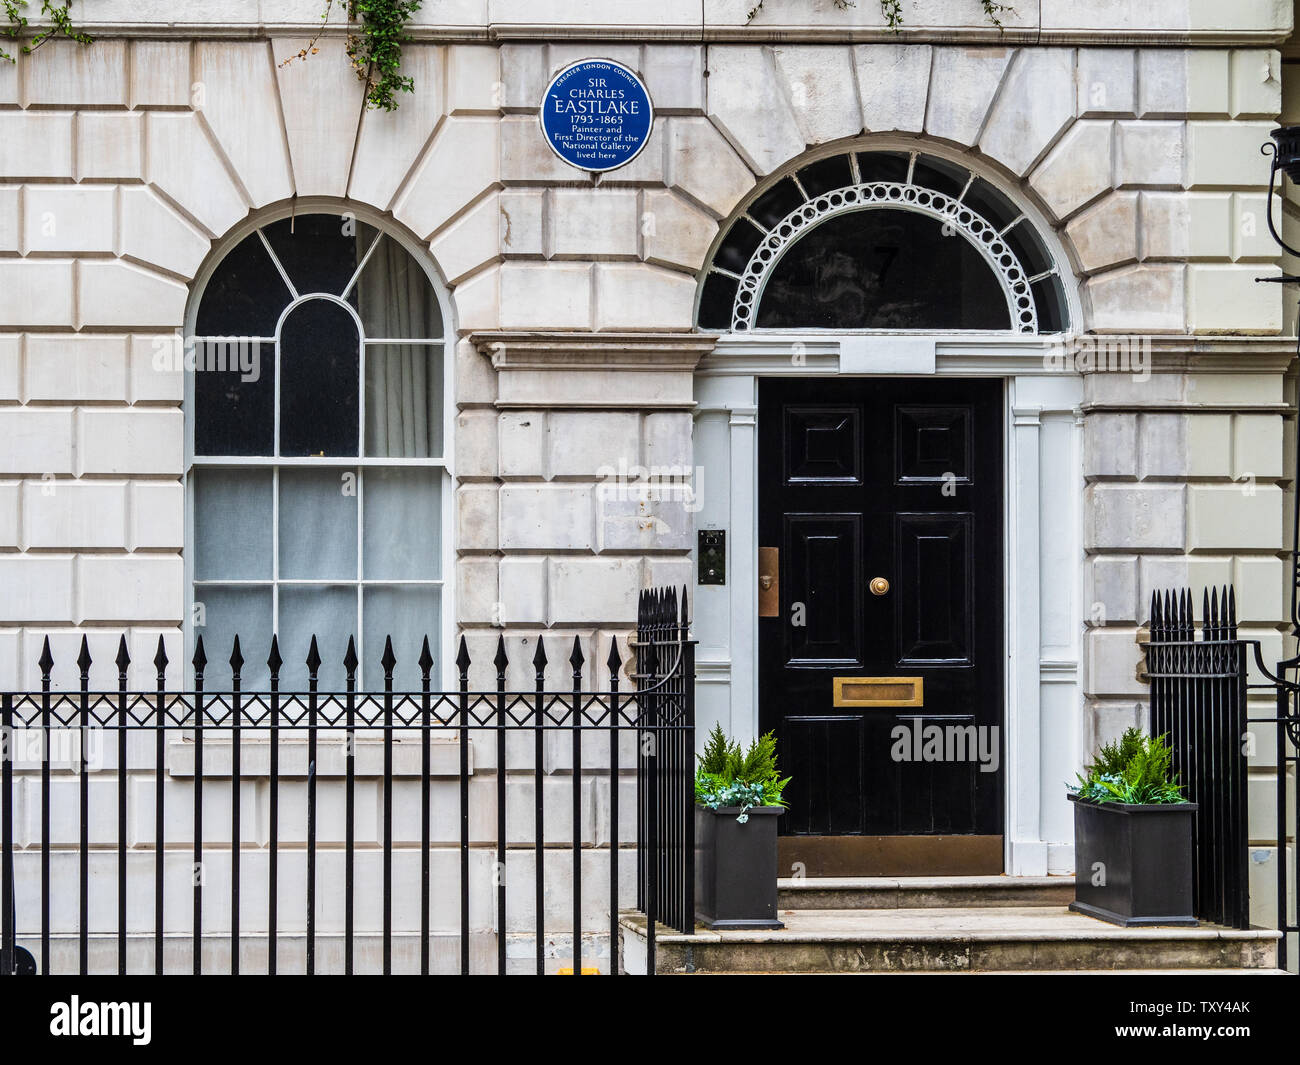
(596,114)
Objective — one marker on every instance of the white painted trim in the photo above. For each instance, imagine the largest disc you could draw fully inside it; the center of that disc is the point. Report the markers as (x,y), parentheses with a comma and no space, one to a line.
(727,386)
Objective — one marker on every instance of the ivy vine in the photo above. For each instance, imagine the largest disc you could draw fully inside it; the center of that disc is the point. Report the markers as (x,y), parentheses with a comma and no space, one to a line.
(892,10)
(60,26)
(374,47)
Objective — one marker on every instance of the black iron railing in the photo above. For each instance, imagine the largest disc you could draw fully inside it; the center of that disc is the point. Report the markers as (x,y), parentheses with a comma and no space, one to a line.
(1198,698)
(308,868)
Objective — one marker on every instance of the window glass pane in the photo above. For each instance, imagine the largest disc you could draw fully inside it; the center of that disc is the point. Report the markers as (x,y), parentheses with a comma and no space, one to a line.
(404,400)
(883,166)
(408,615)
(245,295)
(319,252)
(941,175)
(318,524)
(394,297)
(716,301)
(328,612)
(232,524)
(825,175)
(776,203)
(883,269)
(320,363)
(234,397)
(403,530)
(738,246)
(227,611)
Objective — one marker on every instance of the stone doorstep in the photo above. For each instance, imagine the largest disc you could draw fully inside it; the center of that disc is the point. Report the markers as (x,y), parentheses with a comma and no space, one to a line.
(910,892)
(950,939)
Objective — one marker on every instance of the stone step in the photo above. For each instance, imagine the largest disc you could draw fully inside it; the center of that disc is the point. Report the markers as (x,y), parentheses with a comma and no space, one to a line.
(947,939)
(911,892)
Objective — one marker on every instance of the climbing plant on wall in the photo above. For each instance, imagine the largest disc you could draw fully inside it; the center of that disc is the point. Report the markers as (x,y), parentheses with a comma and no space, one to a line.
(15,26)
(893,11)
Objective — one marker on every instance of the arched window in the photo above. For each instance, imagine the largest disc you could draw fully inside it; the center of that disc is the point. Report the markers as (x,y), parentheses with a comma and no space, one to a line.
(882,240)
(318,412)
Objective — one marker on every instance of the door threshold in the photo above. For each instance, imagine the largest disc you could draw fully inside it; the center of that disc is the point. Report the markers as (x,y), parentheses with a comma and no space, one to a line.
(889,856)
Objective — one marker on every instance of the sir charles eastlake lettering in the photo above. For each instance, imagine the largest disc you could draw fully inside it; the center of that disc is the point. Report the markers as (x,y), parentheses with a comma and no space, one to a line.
(596,114)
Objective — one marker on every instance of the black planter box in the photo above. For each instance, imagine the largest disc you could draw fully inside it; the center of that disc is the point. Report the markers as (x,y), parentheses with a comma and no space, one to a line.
(735,867)
(1148,859)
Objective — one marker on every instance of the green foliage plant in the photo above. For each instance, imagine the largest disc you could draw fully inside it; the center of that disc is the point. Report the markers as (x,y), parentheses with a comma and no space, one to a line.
(60,25)
(1136,769)
(725,775)
(892,10)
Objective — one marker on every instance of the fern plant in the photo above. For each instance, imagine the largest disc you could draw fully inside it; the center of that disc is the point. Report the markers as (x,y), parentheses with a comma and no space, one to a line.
(1136,769)
(726,775)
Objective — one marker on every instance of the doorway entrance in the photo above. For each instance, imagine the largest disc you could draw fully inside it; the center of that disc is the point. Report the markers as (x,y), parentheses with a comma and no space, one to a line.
(881,636)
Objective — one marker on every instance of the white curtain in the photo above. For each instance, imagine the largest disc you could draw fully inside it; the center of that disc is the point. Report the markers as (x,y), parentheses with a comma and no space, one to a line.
(403,381)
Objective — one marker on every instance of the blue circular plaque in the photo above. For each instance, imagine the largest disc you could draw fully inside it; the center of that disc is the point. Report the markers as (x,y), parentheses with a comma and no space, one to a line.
(596,114)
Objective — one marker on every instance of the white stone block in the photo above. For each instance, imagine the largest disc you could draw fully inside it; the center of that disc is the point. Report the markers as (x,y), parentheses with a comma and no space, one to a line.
(521,225)
(10,367)
(321,111)
(1113,657)
(235,92)
(129,588)
(9,524)
(71,218)
(1257,446)
(478,306)
(522,437)
(68,74)
(155,235)
(1230,517)
(477,599)
(1078,170)
(114,293)
(747,103)
(674,233)
(476,518)
(1219,153)
(893,85)
(1181,225)
(653,518)
(110,145)
(1260,584)
(1226,299)
(9,195)
(643,297)
(668,441)
(1138,298)
(1150,154)
(1033,107)
(1176,82)
(551,517)
(476,444)
(546,296)
(819,85)
(155,375)
(1113,589)
(79,367)
(38,588)
(1248,226)
(137,441)
(469,241)
(474,84)
(1256,83)
(36,441)
(1110,445)
(704,167)
(593,590)
(35,145)
(391,141)
(1106,82)
(1106,234)
(460,166)
(74,514)
(674,74)
(1131,517)
(523,591)
(586,443)
(963,82)
(37,292)
(593,223)
(524,76)
(160,73)
(177,150)
(157,515)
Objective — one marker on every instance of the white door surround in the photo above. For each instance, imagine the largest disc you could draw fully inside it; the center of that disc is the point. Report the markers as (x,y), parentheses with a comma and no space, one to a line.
(1044,553)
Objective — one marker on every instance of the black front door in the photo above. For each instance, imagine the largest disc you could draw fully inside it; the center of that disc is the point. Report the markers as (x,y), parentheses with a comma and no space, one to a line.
(881,652)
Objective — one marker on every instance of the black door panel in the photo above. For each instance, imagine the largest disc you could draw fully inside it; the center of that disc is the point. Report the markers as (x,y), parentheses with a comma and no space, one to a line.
(900,479)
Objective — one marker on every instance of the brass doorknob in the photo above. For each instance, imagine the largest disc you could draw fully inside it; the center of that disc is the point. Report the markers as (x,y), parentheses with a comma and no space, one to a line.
(878,586)
(765,582)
